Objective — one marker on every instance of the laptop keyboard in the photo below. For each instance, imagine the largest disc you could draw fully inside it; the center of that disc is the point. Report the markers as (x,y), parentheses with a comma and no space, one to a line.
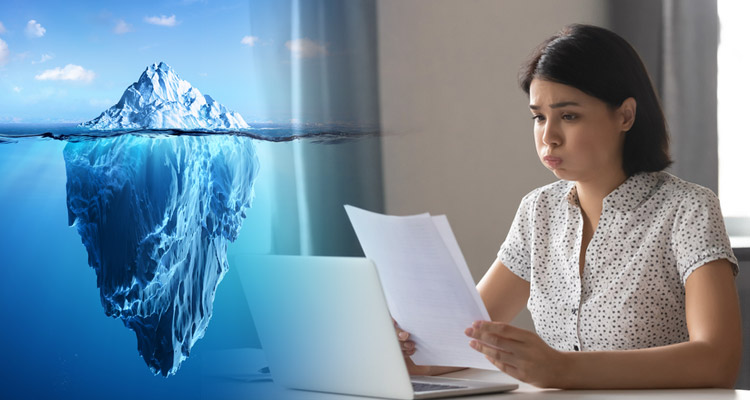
(429,387)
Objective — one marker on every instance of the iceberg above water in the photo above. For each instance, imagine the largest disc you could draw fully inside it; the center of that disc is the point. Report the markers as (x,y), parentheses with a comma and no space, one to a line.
(161,100)
(155,216)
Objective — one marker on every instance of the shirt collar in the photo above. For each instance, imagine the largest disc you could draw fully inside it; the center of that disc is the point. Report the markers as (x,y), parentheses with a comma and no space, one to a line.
(629,195)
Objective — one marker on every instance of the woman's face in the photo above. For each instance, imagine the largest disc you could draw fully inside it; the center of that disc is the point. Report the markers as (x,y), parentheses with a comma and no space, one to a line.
(577,136)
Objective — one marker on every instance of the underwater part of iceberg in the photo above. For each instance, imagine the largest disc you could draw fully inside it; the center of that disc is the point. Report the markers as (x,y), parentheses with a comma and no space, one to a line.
(155,215)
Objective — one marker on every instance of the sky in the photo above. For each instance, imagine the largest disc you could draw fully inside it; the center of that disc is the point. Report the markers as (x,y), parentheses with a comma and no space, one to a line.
(270,60)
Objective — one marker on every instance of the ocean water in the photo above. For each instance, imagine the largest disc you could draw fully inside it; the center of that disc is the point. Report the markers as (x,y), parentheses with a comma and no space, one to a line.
(64,300)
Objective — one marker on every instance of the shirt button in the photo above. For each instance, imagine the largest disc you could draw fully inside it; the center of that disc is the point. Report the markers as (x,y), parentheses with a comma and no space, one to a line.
(575,347)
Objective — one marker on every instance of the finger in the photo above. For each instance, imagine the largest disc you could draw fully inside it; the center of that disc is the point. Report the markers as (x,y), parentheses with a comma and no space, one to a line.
(491,339)
(503,344)
(408,345)
(501,329)
(408,351)
(402,334)
(509,358)
(490,351)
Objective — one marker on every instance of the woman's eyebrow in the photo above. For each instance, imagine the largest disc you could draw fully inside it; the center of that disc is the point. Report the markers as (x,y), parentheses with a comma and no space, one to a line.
(556,105)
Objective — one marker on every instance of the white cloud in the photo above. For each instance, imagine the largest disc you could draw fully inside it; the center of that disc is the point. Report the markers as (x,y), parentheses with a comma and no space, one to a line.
(4,52)
(34,29)
(306,48)
(45,57)
(17,89)
(2,28)
(122,27)
(69,73)
(162,21)
(250,40)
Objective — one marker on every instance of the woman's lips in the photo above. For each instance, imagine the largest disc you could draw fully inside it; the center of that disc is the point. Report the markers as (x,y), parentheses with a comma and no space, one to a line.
(552,162)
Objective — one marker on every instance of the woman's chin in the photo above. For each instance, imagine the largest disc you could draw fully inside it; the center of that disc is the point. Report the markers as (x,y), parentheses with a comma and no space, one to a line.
(563,174)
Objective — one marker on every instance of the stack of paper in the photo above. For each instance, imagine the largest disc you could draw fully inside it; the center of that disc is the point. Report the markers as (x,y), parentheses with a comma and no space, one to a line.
(427,284)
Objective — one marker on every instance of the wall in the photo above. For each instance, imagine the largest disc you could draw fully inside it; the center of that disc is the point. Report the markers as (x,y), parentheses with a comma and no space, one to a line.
(457,130)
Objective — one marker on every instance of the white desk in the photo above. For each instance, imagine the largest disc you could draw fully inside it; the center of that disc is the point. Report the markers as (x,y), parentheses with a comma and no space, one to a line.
(231,375)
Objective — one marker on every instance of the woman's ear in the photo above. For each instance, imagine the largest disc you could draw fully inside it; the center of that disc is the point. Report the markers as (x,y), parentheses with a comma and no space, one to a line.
(627,113)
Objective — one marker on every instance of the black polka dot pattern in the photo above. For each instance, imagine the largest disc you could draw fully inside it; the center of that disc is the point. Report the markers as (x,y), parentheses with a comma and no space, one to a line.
(654,231)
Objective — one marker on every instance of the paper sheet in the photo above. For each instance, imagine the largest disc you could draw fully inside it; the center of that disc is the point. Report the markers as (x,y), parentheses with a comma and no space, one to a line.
(427,284)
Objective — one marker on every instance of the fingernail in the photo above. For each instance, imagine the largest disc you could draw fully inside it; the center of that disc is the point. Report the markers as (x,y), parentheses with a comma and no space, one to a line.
(403,335)
(473,344)
(469,331)
(477,324)
(409,345)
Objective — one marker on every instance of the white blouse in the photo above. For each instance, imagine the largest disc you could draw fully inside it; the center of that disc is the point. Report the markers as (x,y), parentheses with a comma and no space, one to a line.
(654,231)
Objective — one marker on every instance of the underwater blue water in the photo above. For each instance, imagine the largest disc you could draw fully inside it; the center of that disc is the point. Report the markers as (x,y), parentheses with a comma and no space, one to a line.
(56,341)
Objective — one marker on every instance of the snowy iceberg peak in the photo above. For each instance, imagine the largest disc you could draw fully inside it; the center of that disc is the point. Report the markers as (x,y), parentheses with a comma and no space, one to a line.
(161,100)
(158,84)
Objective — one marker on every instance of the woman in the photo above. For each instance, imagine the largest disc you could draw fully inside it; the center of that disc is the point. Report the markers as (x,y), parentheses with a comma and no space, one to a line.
(627,270)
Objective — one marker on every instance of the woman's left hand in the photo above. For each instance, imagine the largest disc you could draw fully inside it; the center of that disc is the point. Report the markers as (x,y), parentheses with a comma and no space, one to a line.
(519,353)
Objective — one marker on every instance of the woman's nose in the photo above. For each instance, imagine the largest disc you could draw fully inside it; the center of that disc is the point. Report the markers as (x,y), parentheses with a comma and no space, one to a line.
(551,134)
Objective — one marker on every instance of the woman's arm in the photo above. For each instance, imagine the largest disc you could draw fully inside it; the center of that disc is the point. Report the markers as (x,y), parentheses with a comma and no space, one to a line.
(710,358)
(503,292)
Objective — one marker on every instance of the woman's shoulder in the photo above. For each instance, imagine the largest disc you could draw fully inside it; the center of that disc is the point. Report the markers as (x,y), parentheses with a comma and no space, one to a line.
(683,192)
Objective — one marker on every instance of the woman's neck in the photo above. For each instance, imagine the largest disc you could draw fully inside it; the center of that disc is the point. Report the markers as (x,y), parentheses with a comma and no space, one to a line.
(591,192)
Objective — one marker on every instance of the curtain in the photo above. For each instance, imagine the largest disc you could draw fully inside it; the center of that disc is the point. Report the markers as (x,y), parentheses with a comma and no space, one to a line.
(678,41)
(329,80)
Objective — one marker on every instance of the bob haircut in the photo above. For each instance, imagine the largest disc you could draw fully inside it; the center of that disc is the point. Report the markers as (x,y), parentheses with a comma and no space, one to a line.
(602,64)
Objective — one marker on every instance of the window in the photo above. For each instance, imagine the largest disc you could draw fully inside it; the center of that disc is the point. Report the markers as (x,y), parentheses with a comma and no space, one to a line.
(733,91)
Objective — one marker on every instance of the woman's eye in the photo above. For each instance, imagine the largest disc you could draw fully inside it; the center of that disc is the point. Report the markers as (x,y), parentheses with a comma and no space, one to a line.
(537,117)
(568,117)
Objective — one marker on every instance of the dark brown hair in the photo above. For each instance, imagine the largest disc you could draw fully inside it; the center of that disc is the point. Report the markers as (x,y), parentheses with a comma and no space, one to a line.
(602,64)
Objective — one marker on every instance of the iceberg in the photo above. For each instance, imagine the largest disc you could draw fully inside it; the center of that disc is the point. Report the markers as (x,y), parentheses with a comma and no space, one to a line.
(155,214)
(161,100)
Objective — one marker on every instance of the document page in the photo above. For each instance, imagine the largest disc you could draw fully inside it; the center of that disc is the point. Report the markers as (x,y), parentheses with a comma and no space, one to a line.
(427,284)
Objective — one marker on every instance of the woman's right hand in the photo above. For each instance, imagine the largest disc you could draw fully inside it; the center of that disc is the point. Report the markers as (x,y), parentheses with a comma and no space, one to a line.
(408,348)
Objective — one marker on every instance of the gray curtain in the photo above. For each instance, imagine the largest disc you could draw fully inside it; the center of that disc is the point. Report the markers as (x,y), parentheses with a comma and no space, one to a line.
(678,41)
(310,180)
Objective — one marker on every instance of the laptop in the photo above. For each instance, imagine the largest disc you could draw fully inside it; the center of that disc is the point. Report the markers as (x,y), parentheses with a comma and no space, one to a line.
(324,326)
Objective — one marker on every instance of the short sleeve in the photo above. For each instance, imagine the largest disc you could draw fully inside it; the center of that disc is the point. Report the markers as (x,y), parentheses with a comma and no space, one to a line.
(699,235)
(515,252)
